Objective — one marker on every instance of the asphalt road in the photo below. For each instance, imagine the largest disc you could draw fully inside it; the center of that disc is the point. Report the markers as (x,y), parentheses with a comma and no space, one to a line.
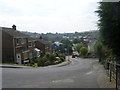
(80,73)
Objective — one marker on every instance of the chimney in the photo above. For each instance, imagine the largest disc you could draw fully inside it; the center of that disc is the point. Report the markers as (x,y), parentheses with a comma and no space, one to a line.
(14,27)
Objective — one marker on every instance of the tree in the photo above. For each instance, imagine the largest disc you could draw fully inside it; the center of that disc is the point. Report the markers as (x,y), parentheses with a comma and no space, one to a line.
(99,51)
(76,41)
(109,25)
(78,46)
(69,49)
(84,51)
(61,48)
(67,45)
(66,42)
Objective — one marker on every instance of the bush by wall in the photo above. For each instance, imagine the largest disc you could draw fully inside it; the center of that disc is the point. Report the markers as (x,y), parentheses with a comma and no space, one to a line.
(50,59)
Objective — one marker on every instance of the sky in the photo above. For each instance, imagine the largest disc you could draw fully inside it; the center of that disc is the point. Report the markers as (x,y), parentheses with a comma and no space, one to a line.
(44,16)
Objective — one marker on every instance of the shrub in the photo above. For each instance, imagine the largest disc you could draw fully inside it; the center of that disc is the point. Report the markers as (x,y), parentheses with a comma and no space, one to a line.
(41,61)
(52,57)
(78,46)
(83,51)
(49,59)
(35,65)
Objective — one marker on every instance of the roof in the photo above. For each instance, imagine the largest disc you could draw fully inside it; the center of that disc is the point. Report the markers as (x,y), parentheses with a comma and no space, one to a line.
(43,42)
(18,34)
(13,32)
(31,39)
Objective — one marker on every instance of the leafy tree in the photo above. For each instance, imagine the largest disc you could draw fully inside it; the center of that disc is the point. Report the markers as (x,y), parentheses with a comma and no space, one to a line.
(78,46)
(69,49)
(99,51)
(83,51)
(61,49)
(67,45)
(66,42)
(109,25)
(76,41)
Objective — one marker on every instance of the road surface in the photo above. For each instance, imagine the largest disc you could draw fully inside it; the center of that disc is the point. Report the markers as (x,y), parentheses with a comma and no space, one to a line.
(80,73)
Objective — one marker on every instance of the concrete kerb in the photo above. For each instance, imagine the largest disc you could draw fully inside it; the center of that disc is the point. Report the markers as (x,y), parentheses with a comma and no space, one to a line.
(13,66)
(66,62)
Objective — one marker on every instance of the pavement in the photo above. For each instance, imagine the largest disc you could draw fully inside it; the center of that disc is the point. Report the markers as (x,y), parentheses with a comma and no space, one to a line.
(105,83)
(103,79)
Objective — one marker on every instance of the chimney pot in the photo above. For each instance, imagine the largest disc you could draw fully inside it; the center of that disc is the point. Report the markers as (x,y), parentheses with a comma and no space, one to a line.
(14,27)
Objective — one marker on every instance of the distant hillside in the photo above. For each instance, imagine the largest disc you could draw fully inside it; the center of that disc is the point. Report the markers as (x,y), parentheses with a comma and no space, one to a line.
(59,36)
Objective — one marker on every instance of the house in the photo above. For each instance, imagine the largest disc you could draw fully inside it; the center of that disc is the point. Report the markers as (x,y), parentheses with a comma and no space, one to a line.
(0,45)
(35,51)
(16,46)
(43,46)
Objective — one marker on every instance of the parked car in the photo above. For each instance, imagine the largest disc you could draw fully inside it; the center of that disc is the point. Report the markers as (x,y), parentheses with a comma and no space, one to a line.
(74,55)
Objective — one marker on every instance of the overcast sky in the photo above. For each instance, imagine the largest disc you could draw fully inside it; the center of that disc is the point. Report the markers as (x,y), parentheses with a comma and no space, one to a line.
(44,16)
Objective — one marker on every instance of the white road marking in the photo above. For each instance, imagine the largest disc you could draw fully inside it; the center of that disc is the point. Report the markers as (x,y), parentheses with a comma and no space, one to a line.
(88,73)
(63,81)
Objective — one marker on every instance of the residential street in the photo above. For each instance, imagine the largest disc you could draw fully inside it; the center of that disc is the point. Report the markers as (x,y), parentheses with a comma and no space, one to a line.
(80,73)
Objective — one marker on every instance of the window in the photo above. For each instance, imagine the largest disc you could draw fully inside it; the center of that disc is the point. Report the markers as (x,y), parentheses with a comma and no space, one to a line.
(23,41)
(18,47)
(18,41)
(29,44)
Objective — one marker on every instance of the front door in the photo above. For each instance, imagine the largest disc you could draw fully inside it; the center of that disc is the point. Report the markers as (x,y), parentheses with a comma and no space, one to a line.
(18,56)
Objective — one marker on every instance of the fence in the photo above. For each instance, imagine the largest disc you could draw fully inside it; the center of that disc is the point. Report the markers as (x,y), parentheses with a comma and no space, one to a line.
(113,71)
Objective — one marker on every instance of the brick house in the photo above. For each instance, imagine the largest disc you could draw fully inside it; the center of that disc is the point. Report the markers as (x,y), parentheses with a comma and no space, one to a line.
(16,46)
(43,46)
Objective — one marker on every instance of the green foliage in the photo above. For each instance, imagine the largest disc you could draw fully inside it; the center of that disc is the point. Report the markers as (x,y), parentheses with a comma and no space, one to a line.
(99,51)
(102,51)
(69,49)
(35,65)
(83,51)
(65,47)
(78,46)
(49,59)
(98,48)
(52,57)
(109,25)
(66,42)
(43,61)
(76,41)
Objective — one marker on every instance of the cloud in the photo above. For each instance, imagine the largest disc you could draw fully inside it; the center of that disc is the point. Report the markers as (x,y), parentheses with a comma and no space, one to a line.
(44,16)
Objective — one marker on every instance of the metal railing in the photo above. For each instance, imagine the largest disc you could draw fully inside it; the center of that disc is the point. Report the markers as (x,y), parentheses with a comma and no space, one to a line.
(113,71)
